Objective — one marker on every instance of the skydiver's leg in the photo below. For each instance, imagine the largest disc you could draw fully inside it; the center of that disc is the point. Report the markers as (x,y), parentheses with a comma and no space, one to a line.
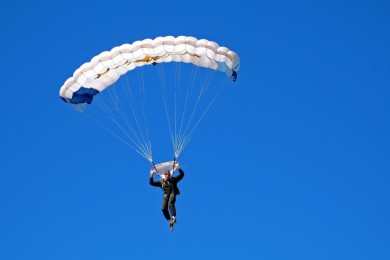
(171,203)
(165,207)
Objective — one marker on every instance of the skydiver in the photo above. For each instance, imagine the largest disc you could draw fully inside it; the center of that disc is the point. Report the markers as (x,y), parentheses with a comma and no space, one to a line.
(170,189)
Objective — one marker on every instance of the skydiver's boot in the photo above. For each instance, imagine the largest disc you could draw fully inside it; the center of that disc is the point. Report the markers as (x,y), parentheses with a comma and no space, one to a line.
(171,227)
(172,223)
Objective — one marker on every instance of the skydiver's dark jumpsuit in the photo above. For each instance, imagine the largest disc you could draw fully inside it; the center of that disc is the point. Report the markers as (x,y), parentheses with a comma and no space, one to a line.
(170,191)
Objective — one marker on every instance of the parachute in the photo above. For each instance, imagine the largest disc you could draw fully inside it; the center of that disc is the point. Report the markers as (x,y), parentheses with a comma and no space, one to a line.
(105,69)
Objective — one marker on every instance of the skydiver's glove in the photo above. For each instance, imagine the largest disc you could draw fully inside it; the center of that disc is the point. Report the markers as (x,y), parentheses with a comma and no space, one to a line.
(177,165)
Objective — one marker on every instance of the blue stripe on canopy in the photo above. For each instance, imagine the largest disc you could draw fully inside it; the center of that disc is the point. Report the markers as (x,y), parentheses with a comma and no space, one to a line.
(82,96)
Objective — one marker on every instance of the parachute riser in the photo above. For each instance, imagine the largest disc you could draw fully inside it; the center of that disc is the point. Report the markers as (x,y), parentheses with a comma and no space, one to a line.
(173,165)
(154,166)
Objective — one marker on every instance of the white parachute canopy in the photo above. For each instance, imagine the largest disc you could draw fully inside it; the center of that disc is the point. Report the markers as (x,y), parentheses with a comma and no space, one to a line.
(128,103)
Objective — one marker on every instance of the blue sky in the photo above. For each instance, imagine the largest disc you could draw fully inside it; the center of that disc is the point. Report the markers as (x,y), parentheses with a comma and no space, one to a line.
(292,162)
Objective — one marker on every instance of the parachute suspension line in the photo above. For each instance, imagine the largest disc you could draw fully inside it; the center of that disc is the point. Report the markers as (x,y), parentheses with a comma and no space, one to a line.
(144,105)
(143,145)
(140,151)
(186,137)
(124,125)
(123,115)
(163,89)
(177,85)
(200,119)
(191,84)
(141,148)
(131,102)
(202,91)
(181,128)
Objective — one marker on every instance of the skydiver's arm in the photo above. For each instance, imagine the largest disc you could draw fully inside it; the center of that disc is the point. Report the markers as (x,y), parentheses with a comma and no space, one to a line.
(180,176)
(154,183)
(151,181)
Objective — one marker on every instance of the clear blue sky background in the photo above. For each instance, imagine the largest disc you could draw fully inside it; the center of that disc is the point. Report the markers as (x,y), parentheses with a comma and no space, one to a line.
(291,163)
